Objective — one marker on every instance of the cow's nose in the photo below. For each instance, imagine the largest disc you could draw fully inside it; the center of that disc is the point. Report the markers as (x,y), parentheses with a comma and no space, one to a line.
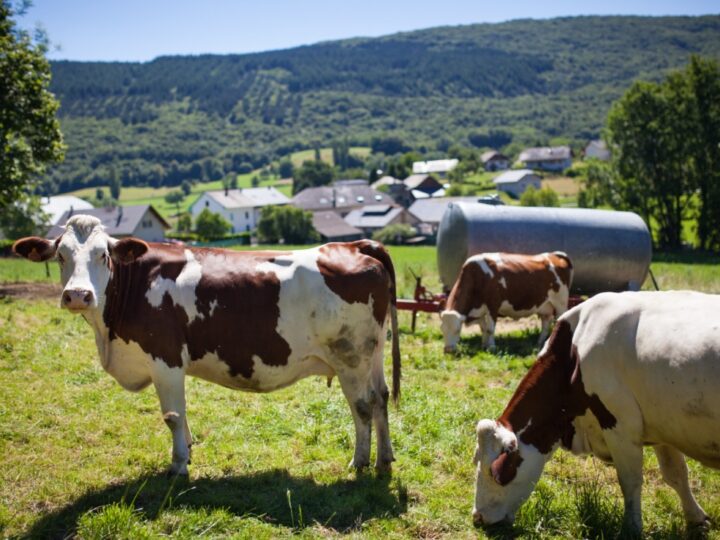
(477,518)
(77,299)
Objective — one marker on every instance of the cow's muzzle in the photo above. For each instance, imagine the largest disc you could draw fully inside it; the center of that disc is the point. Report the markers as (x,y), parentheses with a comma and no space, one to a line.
(77,299)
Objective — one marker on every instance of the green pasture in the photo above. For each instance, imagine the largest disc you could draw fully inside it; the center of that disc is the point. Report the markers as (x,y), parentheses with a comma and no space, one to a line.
(84,458)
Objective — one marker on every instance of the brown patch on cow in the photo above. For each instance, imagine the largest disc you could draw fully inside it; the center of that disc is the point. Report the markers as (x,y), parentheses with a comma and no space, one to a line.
(356,277)
(505,467)
(552,395)
(528,280)
(242,324)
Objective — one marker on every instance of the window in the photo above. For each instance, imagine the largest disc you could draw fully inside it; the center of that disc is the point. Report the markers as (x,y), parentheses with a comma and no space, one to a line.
(247,216)
(232,217)
(207,203)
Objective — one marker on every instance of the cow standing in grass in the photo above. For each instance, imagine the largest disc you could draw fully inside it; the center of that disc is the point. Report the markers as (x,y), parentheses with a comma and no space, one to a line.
(620,371)
(254,321)
(492,285)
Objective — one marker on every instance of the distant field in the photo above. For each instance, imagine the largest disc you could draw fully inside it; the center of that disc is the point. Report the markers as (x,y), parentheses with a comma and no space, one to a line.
(326,155)
(84,458)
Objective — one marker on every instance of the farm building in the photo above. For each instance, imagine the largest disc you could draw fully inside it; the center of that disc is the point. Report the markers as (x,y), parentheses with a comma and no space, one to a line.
(140,221)
(547,158)
(56,206)
(517,181)
(441,167)
(373,218)
(493,160)
(340,197)
(429,212)
(241,207)
(598,150)
(333,228)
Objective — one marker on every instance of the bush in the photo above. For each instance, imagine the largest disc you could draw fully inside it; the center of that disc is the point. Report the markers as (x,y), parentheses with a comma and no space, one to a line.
(211,225)
(394,234)
(539,197)
(287,223)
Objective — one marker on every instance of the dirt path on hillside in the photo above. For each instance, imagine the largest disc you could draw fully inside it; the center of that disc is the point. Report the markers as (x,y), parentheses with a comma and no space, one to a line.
(30,290)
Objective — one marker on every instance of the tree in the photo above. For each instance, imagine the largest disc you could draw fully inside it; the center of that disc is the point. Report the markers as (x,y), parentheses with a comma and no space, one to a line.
(311,174)
(184,222)
(395,234)
(211,225)
(17,220)
(186,187)
(539,197)
(175,197)
(30,137)
(285,169)
(287,223)
(115,184)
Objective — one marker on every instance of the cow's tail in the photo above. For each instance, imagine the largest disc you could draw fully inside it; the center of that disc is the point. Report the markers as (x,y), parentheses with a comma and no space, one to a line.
(377,251)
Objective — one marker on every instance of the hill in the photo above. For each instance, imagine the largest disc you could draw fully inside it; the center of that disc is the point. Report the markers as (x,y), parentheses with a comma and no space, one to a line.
(520,82)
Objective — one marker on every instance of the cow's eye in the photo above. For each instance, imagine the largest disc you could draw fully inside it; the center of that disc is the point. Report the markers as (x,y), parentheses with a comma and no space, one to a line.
(103,257)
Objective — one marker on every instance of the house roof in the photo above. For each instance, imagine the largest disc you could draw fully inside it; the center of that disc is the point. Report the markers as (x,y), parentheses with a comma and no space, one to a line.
(56,206)
(545,153)
(416,180)
(432,210)
(511,177)
(117,220)
(345,196)
(492,154)
(330,225)
(373,216)
(436,166)
(385,181)
(248,197)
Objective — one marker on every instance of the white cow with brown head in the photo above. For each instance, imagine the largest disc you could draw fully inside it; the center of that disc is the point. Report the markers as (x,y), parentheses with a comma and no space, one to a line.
(619,372)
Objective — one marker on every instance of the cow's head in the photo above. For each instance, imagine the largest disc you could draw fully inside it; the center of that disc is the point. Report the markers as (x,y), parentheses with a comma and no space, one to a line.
(86,255)
(451,324)
(507,471)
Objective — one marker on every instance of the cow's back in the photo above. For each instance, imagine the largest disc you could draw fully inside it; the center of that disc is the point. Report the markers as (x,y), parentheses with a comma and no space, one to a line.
(660,351)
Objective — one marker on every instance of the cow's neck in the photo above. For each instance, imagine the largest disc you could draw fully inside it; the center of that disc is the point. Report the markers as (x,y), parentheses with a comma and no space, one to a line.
(542,409)
(552,395)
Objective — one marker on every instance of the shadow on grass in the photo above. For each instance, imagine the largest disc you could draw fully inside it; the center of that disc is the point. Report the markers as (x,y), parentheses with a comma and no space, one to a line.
(520,344)
(269,495)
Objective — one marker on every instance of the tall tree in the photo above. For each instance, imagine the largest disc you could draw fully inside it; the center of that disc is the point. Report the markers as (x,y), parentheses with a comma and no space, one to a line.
(30,137)
(311,174)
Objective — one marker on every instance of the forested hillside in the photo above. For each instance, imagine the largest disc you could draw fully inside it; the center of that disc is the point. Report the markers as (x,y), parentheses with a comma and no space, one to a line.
(516,83)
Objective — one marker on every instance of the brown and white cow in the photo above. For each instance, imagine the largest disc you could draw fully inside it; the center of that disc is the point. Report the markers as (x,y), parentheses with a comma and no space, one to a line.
(492,285)
(254,321)
(620,371)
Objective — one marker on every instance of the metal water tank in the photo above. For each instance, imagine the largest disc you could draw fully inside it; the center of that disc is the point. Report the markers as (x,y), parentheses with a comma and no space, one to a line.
(611,251)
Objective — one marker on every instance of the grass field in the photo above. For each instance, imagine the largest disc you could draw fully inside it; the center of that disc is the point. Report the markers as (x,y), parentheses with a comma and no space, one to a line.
(83,457)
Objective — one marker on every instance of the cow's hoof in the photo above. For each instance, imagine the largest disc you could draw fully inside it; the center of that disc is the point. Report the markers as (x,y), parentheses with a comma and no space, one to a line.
(384,468)
(177,470)
(699,529)
(358,465)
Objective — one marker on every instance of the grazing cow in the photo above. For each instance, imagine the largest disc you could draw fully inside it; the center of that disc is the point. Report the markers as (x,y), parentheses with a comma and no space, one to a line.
(506,285)
(254,321)
(620,371)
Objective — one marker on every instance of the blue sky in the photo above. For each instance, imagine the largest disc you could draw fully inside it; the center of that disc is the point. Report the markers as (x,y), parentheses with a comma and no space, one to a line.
(140,30)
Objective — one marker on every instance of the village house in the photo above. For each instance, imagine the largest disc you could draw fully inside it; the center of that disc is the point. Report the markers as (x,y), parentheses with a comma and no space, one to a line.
(332,228)
(546,158)
(140,221)
(493,160)
(517,181)
(55,207)
(241,207)
(440,167)
(341,197)
(375,217)
(598,150)
(429,212)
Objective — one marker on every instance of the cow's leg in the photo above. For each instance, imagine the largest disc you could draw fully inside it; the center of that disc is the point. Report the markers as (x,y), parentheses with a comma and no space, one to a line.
(357,387)
(675,473)
(627,457)
(488,326)
(384,457)
(188,439)
(545,321)
(170,386)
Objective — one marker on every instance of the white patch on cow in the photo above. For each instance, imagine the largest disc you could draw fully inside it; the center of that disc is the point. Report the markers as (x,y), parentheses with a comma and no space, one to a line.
(181,289)
(551,267)
(502,282)
(507,310)
(213,304)
(129,364)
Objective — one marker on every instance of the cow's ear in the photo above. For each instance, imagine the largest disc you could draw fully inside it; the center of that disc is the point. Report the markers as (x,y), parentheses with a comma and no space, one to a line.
(128,250)
(505,466)
(34,248)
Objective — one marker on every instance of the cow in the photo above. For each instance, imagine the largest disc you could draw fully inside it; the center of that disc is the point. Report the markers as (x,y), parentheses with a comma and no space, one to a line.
(619,372)
(255,321)
(508,285)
